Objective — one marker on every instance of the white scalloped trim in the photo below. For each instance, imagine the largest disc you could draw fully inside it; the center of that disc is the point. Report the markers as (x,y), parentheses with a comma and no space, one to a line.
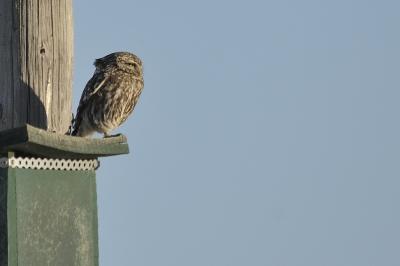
(49,164)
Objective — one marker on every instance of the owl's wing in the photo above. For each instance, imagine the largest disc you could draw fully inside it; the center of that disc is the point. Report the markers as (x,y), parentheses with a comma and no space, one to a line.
(93,85)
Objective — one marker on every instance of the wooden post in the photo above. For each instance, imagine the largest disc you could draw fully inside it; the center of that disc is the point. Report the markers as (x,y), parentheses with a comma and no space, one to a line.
(36,64)
(48,202)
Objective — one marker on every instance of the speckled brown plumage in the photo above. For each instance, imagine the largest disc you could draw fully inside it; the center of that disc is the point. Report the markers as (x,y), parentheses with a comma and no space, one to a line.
(110,95)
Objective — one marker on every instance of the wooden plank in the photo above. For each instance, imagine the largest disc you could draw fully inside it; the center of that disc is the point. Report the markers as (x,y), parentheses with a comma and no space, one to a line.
(12,216)
(28,140)
(6,44)
(7,240)
(54,217)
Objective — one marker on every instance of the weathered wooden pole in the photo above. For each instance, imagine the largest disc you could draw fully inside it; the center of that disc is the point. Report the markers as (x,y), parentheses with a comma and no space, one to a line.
(48,200)
(36,64)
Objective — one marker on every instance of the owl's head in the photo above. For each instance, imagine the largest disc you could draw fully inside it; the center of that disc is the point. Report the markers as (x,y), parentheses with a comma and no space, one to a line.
(124,61)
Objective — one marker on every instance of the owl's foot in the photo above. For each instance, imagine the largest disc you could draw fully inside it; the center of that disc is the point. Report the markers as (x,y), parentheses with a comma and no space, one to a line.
(107,135)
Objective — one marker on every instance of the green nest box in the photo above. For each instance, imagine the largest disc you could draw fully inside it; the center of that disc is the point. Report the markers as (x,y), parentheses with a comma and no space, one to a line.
(48,199)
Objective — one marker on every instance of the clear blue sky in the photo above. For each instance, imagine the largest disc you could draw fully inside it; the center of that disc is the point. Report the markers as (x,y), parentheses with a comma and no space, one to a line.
(267,133)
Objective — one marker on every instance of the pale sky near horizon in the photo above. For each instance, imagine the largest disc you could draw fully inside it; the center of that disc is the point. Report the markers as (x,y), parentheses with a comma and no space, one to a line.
(267,132)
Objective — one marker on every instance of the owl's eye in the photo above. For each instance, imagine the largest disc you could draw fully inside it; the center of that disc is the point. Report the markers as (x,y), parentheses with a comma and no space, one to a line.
(131,64)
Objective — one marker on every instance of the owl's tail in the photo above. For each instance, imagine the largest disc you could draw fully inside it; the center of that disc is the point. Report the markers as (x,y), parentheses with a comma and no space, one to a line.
(75,132)
(74,125)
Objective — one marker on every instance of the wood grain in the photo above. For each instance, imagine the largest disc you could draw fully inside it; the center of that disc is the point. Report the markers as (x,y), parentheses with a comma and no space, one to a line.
(36,64)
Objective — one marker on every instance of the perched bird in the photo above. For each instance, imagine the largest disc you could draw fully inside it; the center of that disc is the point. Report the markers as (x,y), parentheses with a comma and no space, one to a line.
(110,95)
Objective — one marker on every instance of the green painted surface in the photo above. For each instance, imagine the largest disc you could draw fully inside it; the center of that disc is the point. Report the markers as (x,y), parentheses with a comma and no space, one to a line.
(3,217)
(55,223)
(12,219)
(51,217)
(29,140)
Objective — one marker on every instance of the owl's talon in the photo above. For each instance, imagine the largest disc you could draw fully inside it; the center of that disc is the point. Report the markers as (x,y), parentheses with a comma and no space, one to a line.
(112,136)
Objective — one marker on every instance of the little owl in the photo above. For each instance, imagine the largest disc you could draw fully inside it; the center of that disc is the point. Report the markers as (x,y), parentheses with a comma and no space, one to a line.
(110,95)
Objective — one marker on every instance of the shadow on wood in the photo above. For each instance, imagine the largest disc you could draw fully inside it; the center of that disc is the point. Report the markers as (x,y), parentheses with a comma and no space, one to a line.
(22,107)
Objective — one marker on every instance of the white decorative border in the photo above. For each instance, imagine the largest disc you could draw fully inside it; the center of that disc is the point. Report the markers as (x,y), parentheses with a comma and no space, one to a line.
(49,164)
